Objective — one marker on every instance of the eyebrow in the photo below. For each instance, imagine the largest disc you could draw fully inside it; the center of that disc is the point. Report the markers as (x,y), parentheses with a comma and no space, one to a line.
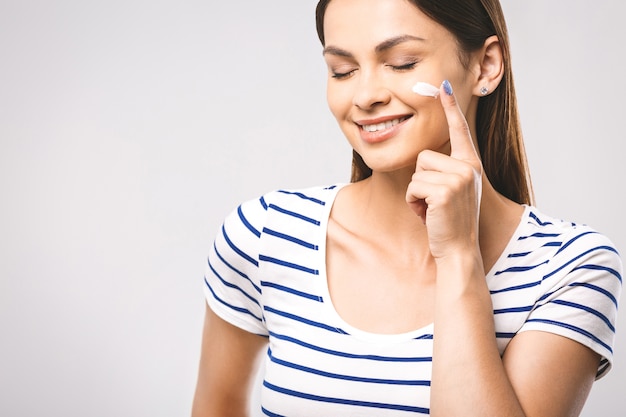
(381,47)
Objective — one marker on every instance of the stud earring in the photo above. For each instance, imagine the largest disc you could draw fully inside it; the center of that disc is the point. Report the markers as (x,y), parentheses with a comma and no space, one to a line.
(484,90)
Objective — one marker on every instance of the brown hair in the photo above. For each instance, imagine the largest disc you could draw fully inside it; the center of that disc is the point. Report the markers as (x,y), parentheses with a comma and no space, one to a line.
(497,120)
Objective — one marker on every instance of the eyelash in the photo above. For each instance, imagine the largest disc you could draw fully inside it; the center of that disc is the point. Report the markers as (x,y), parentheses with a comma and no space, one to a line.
(342,75)
(405,67)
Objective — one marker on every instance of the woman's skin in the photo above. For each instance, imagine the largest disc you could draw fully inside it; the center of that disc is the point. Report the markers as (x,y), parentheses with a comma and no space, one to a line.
(417,237)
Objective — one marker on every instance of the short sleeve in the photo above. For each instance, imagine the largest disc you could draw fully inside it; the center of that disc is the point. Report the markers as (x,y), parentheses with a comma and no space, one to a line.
(231,283)
(580,294)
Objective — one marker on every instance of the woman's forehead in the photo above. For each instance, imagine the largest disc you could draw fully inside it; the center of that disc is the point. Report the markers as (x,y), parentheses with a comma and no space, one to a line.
(372,22)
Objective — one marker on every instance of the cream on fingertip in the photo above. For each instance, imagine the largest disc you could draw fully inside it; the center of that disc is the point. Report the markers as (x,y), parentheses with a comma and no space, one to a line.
(425,89)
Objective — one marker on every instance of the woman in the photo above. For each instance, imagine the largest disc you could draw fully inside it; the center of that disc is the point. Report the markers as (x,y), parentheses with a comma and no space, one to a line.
(428,285)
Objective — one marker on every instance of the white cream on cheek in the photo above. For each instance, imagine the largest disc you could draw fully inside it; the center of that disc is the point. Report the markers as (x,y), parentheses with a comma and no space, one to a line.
(425,89)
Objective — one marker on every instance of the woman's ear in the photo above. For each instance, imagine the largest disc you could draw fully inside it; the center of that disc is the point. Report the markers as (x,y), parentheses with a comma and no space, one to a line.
(490,67)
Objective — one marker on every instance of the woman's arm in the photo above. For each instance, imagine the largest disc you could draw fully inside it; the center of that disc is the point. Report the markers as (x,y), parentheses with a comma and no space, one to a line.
(228,362)
(551,375)
(541,374)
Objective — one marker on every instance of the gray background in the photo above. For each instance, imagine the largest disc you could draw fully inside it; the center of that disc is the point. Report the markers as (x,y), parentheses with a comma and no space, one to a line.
(128,129)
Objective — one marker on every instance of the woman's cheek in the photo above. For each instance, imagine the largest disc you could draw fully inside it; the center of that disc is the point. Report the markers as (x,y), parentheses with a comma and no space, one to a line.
(339,101)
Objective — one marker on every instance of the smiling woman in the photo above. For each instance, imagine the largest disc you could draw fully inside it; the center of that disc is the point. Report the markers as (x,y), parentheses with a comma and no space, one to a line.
(129,128)
(430,275)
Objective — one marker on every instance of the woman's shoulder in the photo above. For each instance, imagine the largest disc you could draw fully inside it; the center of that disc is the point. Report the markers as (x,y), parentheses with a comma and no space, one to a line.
(293,199)
(298,202)
(570,277)
(554,246)
(318,194)
(538,223)
(567,243)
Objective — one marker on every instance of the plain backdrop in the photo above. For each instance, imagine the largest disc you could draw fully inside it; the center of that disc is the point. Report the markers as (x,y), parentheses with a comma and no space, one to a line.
(130,128)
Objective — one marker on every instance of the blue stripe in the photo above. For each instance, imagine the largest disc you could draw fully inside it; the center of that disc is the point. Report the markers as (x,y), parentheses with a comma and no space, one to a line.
(547,295)
(237,250)
(288,264)
(577,258)
(230,285)
(516,287)
(503,335)
(290,238)
(588,310)
(604,365)
(344,401)
(573,328)
(574,239)
(238,272)
(596,288)
(518,255)
(346,377)
(552,244)
(539,222)
(304,320)
(269,413)
(350,355)
(233,307)
(247,223)
(263,203)
(303,196)
(521,268)
(292,291)
(601,268)
(294,214)
(513,310)
(539,235)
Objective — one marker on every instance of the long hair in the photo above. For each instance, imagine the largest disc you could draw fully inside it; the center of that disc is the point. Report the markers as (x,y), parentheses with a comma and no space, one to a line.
(500,141)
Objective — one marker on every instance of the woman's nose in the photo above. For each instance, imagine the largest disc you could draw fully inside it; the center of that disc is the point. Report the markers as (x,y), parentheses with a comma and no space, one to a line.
(370,91)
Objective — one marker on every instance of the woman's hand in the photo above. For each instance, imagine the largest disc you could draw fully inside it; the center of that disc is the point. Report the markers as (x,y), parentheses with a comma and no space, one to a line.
(445,191)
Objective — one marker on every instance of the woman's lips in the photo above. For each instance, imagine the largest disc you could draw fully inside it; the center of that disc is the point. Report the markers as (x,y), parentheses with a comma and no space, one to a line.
(379,130)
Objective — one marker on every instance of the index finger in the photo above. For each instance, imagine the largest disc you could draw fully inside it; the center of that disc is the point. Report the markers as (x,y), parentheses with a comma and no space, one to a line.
(461,143)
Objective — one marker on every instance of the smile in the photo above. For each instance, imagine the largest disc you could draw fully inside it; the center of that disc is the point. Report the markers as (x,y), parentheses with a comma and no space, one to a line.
(384,125)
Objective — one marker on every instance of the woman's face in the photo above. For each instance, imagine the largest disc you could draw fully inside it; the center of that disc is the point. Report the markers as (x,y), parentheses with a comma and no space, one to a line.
(376,51)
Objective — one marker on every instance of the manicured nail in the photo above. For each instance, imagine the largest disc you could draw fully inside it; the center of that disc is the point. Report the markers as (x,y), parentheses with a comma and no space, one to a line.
(447,87)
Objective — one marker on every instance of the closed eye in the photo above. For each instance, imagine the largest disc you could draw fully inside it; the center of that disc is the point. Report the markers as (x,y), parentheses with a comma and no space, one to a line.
(342,75)
(404,67)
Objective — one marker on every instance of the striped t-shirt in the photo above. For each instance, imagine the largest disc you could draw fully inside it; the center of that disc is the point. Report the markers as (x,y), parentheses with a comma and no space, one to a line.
(266,274)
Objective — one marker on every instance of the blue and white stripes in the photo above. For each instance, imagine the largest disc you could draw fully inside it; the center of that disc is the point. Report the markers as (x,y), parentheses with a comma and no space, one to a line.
(561,278)
(266,274)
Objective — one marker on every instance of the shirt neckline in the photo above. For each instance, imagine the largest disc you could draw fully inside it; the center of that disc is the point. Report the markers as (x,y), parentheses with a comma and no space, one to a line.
(329,308)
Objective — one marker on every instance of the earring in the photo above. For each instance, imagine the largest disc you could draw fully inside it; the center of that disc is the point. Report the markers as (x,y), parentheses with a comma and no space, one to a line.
(484,90)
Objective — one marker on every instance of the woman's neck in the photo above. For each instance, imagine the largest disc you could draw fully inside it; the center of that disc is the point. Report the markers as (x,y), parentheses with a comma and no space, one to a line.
(380,203)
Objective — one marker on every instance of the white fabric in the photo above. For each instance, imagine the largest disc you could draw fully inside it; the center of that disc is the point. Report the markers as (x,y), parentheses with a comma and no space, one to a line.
(266,274)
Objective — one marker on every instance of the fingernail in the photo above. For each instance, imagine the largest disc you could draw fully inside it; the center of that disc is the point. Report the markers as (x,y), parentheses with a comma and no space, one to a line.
(447,87)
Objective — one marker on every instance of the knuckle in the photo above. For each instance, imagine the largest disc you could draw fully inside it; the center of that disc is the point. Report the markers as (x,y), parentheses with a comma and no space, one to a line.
(457,183)
(424,156)
(468,172)
(445,194)
(461,126)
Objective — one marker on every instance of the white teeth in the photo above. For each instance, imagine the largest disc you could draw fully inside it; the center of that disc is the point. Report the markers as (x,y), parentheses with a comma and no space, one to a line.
(381,126)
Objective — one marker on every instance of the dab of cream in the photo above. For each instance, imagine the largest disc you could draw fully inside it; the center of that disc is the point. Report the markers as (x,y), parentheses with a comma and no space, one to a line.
(425,89)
